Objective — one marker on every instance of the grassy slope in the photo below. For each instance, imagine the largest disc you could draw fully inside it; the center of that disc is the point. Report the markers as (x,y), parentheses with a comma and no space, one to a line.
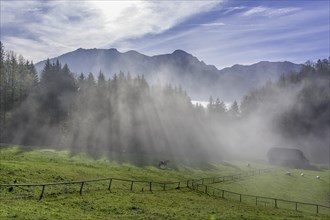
(279,185)
(41,166)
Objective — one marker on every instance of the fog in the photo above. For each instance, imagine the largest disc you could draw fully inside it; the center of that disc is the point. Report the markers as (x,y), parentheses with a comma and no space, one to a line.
(128,119)
(294,115)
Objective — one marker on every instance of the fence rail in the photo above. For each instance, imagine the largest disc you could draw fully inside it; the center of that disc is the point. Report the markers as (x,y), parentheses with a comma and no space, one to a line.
(260,200)
(130,184)
(146,185)
(195,184)
(238,176)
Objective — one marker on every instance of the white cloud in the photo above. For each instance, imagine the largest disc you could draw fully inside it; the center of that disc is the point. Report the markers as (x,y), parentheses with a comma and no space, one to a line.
(269,12)
(66,25)
(232,9)
(249,40)
(46,29)
(214,24)
(27,47)
(255,10)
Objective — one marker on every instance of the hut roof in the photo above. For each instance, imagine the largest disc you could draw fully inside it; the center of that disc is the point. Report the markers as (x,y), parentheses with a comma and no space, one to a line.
(286,153)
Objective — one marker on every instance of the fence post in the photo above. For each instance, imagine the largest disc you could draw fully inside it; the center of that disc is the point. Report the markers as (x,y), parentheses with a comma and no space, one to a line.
(42,192)
(296,206)
(109,188)
(256,200)
(317,209)
(240,197)
(163,186)
(187,183)
(132,185)
(205,189)
(150,186)
(81,188)
(275,203)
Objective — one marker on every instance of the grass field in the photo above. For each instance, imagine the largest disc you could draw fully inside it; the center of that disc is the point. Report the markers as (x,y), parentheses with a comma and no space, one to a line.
(279,185)
(96,202)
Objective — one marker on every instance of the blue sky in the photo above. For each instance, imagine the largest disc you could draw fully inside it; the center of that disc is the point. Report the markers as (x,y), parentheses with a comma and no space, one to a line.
(222,33)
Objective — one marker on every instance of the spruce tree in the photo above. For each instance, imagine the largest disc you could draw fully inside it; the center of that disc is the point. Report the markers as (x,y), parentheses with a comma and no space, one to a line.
(234,109)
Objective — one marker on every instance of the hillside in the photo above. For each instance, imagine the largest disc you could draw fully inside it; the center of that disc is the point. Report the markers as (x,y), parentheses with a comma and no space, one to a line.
(178,68)
(96,202)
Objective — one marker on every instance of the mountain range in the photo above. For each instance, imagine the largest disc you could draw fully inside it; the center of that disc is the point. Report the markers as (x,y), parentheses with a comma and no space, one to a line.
(178,68)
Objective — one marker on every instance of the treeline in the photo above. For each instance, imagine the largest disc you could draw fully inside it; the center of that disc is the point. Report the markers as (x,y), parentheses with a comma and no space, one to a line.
(18,78)
(123,117)
(127,119)
(305,93)
(299,106)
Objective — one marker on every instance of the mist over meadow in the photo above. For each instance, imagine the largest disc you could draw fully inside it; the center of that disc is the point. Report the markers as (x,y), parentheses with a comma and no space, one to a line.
(128,119)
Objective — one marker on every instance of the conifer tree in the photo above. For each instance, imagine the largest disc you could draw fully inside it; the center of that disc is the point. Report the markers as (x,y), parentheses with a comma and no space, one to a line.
(101,82)
(91,80)
(234,109)
(3,94)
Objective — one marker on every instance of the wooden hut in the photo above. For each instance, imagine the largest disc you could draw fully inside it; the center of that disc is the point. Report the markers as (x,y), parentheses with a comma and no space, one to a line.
(288,157)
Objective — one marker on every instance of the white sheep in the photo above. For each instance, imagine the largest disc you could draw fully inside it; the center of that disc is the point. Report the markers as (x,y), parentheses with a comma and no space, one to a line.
(318,177)
(302,174)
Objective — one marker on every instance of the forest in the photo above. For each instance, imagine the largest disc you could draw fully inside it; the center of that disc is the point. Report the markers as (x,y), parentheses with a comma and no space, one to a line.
(127,119)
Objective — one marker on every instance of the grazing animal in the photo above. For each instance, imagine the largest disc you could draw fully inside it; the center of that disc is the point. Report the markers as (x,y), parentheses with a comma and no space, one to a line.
(163,164)
(302,174)
(288,173)
(318,177)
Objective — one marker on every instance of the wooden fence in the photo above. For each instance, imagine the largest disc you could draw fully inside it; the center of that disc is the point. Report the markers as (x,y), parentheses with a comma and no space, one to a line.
(108,183)
(234,177)
(118,183)
(199,185)
(259,200)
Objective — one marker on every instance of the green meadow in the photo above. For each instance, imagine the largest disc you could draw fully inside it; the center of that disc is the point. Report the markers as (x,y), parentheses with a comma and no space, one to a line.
(97,202)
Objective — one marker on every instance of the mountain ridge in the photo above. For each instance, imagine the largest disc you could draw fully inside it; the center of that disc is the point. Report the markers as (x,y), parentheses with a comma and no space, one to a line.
(177,68)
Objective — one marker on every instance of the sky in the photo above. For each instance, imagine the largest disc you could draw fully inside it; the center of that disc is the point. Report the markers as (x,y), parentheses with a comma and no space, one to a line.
(222,33)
